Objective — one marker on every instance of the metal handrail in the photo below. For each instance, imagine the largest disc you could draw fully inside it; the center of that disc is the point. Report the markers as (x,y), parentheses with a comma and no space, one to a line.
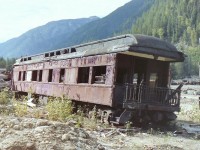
(156,96)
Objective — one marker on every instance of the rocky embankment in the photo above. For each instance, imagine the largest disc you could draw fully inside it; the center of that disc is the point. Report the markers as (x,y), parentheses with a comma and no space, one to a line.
(31,134)
(22,133)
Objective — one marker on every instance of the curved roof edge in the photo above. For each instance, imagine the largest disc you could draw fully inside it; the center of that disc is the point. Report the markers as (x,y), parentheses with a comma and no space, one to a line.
(128,42)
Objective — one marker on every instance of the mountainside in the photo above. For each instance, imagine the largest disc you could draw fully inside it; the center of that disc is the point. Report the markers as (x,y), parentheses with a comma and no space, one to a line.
(65,33)
(118,21)
(173,20)
(177,21)
(42,38)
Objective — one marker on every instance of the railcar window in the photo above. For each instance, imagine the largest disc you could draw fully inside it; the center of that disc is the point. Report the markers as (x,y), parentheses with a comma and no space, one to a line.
(57,52)
(121,75)
(83,74)
(153,81)
(65,51)
(19,77)
(46,55)
(52,54)
(34,75)
(50,75)
(99,74)
(40,76)
(62,75)
(73,50)
(24,76)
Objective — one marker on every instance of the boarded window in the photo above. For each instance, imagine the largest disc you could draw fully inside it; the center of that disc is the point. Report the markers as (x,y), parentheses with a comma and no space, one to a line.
(83,74)
(62,75)
(99,74)
(24,76)
(19,77)
(40,76)
(34,75)
(50,75)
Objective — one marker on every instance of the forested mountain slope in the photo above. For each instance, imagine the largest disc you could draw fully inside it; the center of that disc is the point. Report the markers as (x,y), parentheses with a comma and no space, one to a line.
(177,21)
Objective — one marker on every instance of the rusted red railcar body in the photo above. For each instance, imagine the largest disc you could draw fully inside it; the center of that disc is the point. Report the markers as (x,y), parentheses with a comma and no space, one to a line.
(129,72)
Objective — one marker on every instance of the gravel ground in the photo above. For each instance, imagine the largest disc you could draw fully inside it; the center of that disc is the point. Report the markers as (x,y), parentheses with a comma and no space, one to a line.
(21,133)
(26,133)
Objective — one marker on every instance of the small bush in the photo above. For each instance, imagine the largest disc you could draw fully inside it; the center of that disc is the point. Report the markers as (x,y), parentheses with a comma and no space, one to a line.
(59,108)
(20,108)
(4,96)
(190,115)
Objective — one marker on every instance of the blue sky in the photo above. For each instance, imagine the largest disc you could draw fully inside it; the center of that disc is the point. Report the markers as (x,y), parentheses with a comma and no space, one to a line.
(19,16)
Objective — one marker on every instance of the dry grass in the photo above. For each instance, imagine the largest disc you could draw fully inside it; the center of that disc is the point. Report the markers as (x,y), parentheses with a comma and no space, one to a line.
(190,111)
(4,96)
(59,108)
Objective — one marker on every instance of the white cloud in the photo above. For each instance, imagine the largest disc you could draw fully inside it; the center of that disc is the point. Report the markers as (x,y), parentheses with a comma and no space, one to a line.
(18,16)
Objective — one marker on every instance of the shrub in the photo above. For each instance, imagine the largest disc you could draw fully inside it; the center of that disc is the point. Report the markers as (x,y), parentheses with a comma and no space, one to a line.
(59,108)
(190,114)
(20,108)
(4,96)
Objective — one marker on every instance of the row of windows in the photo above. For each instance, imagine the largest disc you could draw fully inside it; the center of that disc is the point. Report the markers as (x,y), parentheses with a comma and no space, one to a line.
(98,75)
(50,54)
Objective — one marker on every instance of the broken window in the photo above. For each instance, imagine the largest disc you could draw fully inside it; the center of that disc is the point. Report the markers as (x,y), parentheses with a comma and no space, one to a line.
(34,75)
(83,74)
(121,75)
(50,75)
(99,74)
(135,78)
(52,54)
(153,80)
(40,76)
(57,52)
(46,55)
(73,50)
(62,75)
(19,77)
(24,76)
(65,51)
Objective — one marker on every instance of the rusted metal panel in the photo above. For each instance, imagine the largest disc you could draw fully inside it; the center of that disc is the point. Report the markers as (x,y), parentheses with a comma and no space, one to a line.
(108,59)
(45,75)
(110,73)
(29,75)
(56,75)
(16,75)
(71,75)
(80,92)
(36,66)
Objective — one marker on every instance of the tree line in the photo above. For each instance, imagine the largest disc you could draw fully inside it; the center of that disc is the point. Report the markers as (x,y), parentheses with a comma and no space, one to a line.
(7,63)
(177,21)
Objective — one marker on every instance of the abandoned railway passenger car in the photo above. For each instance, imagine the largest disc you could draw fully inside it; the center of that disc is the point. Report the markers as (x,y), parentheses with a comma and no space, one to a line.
(126,76)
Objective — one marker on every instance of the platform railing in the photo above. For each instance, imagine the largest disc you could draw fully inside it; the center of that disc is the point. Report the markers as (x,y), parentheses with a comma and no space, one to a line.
(155,96)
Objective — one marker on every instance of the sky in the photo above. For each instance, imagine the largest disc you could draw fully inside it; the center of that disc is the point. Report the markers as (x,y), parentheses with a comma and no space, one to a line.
(19,16)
